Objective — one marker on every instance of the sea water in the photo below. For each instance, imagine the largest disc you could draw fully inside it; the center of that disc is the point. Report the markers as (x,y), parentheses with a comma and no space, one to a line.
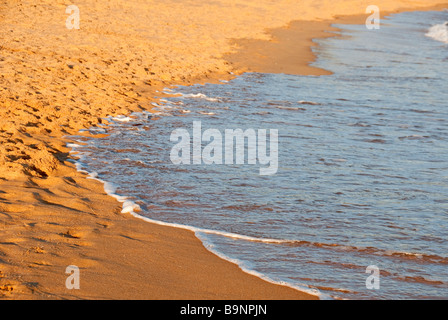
(362,175)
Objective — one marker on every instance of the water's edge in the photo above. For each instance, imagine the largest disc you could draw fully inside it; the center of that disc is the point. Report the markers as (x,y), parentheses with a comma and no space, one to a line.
(132,208)
(201,233)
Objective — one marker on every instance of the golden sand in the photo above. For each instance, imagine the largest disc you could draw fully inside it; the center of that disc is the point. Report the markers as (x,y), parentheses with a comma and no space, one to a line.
(55,81)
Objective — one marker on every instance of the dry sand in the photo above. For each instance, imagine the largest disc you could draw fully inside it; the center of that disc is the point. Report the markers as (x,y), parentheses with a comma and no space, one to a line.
(55,81)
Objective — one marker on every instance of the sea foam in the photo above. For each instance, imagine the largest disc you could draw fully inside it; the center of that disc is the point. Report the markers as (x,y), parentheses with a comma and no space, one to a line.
(439,32)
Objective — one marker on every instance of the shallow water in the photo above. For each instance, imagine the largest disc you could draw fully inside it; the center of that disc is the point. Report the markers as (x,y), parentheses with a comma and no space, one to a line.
(363,169)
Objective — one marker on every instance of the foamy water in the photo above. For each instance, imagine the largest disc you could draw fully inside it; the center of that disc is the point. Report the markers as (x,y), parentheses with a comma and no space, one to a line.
(362,177)
(439,32)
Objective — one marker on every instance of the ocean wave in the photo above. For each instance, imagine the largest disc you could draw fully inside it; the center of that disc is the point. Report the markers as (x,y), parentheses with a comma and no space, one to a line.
(132,208)
(199,96)
(439,32)
(248,269)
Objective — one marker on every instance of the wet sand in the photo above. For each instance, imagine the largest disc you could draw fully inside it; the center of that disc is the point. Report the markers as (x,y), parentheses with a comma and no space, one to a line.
(55,81)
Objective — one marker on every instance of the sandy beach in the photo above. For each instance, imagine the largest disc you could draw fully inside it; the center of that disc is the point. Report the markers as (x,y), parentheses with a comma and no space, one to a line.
(55,81)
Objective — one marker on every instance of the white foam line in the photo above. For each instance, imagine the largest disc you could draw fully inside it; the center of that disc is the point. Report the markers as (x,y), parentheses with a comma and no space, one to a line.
(199,232)
(72,145)
(131,208)
(303,287)
(122,118)
(197,96)
(439,32)
(210,231)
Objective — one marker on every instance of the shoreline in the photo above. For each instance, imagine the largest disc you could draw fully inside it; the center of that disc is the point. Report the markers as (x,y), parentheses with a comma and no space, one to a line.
(53,217)
(291,45)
